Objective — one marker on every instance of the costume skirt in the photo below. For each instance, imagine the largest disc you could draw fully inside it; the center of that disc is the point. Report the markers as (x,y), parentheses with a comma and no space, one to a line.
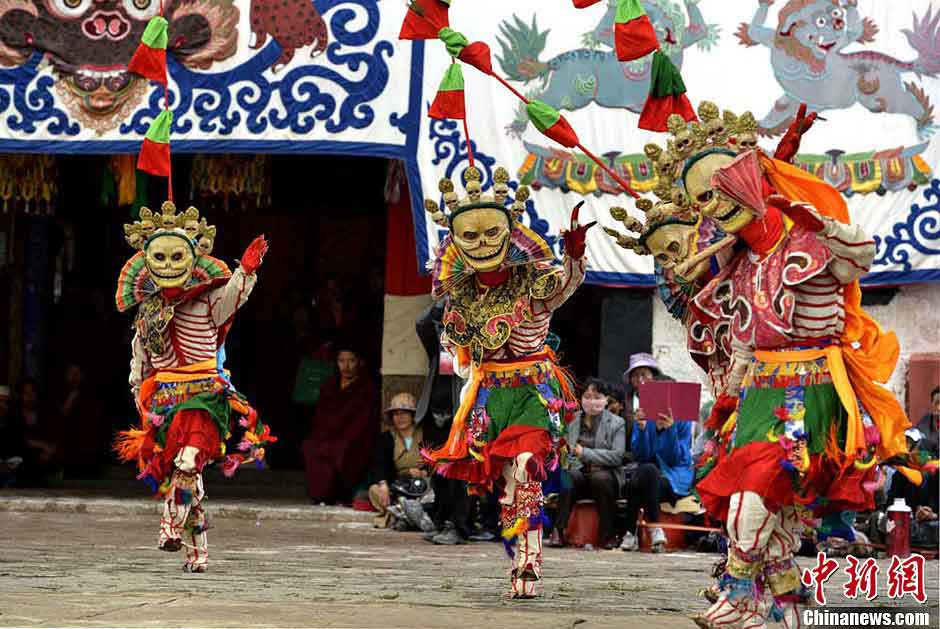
(787,442)
(508,408)
(190,406)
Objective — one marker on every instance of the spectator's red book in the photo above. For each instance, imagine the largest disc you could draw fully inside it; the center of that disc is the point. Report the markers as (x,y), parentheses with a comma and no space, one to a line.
(679,399)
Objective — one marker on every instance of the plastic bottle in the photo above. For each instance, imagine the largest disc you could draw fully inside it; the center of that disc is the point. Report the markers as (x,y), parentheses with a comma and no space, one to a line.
(899,529)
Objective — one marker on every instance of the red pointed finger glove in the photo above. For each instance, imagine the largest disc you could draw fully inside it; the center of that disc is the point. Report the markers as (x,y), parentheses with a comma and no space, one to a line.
(799,214)
(789,144)
(575,237)
(253,255)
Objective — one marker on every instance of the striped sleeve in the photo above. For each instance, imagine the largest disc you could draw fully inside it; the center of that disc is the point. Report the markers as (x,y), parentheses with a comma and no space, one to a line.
(141,368)
(225,301)
(852,250)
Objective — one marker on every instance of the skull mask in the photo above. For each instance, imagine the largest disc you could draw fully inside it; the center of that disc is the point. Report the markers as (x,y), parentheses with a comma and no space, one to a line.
(730,216)
(170,259)
(482,236)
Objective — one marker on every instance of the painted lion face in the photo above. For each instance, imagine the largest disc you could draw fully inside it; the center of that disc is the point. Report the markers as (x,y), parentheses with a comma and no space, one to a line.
(90,42)
(814,30)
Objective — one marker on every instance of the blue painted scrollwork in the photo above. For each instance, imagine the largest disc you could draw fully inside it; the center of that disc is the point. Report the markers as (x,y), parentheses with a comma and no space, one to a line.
(335,92)
(919,232)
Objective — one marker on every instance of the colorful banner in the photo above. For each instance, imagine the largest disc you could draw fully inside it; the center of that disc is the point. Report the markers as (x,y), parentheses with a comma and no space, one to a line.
(331,76)
(870,68)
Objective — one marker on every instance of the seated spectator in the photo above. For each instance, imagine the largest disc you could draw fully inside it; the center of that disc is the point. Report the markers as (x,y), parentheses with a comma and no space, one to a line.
(34,426)
(929,424)
(924,495)
(640,368)
(597,442)
(80,431)
(398,456)
(12,444)
(338,450)
(663,449)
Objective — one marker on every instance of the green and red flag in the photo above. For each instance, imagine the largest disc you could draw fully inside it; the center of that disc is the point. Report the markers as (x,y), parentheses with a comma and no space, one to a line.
(550,122)
(149,60)
(154,155)
(476,54)
(666,97)
(449,102)
(424,19)
(634,35)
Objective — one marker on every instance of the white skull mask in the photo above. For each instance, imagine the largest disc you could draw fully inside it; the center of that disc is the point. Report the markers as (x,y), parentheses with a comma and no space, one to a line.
(482,236)
(170,259)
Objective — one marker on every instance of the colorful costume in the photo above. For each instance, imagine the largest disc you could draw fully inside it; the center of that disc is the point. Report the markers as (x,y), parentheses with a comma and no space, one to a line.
(801,360)
(502,283)
(187,300)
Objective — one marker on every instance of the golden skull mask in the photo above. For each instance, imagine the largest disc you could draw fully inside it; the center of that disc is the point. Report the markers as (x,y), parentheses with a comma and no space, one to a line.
(482,236)
(170,259)
(730,216)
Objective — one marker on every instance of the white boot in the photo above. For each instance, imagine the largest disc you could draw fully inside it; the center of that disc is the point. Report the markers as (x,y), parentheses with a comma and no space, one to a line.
(657,540)
(725,613)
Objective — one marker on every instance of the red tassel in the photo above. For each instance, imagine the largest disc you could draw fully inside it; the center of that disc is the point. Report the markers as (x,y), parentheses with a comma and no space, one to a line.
(582,4)
(448,104)
(149,63)
(154,158)
(657,110)
(635,39)
(477,54)
(424,19)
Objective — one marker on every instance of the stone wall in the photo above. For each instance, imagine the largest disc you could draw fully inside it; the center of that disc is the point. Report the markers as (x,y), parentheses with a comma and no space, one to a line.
(914,314)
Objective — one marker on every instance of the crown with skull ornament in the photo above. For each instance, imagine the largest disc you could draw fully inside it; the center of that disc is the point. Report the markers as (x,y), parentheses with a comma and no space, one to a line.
(453,205)
(187,224)
(716,131)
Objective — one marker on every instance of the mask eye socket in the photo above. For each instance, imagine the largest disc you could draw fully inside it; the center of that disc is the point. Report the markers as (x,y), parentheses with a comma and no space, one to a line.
(177,256)
(469,235)
(141,9)
(663,259)
(705,196)
(674,247)
(69,8)
(159,257)
(492,231)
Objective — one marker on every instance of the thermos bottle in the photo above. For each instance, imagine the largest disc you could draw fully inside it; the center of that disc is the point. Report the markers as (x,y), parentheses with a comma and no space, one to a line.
(899,529)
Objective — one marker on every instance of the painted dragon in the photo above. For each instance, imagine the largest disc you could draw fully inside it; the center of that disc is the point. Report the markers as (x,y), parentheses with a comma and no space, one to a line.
(592,74)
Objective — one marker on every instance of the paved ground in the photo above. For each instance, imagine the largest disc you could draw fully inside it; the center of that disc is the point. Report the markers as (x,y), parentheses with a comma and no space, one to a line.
(315,568)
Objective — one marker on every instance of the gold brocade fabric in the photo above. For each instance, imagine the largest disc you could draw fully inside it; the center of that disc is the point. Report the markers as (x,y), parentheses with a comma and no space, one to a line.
(483,317)
(153,317)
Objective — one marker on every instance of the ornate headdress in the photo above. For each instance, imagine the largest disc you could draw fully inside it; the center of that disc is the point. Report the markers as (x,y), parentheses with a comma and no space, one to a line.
(167,221)
(136,282)
(448,267)
(475,198)
(715,132)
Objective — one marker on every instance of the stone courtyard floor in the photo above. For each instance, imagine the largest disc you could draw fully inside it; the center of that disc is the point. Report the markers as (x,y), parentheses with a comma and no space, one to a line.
(94,563)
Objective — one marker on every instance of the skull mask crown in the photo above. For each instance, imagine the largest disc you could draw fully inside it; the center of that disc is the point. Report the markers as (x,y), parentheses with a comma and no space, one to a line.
(715,130)
(170,242)
(188,224)
(480,225)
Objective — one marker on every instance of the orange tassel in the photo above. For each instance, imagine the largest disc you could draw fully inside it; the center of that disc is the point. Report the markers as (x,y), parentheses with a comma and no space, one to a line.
(128,444)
